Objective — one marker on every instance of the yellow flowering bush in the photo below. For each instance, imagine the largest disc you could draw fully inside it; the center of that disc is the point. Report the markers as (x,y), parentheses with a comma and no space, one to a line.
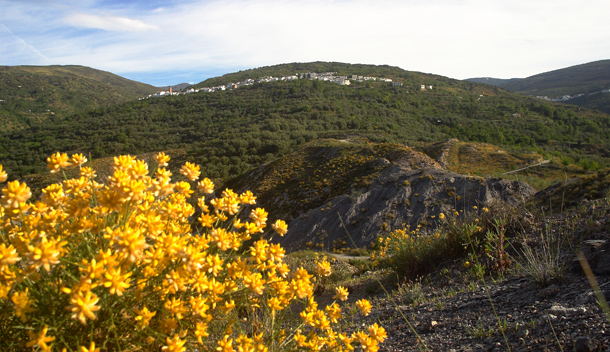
(127,265)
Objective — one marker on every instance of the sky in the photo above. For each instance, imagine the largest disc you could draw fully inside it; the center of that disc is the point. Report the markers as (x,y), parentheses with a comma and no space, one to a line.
(172,41)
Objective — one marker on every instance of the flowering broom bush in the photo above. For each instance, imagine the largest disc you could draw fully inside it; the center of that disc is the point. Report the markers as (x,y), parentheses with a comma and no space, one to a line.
(122,266)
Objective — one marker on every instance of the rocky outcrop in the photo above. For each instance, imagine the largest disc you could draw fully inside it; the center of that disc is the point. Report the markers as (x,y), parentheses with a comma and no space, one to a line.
(410,191)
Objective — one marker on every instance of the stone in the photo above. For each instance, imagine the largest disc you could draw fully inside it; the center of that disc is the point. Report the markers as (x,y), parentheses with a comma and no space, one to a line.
(430,325)
(585,344)
(549,291)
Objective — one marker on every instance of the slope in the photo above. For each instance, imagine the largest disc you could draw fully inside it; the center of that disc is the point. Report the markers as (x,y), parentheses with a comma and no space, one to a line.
(585,85)
(586,78)
(34,93)
(375,187)
(231,132)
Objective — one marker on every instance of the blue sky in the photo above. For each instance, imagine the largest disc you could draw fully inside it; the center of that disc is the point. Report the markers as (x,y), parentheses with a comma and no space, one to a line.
(171,41)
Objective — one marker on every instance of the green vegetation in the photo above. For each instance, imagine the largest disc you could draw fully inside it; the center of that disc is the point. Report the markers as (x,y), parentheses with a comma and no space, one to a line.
(33,95)
(318,172)
(589,79)
(234,131)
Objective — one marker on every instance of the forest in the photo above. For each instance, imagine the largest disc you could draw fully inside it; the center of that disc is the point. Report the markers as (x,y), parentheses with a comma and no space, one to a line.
(233,131)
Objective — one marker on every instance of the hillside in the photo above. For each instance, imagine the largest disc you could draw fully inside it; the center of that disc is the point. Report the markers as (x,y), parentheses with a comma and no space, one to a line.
(586,85)
(234,131)
(341,69)
(373,188)
(426,185)
(33,94)
(492,81)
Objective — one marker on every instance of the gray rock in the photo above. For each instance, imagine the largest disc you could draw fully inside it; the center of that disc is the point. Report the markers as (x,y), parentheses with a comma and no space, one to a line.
(412,190)
(561,311)
(585,344)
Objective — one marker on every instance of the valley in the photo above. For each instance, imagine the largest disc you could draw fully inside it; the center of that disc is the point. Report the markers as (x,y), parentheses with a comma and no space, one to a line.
(456,209)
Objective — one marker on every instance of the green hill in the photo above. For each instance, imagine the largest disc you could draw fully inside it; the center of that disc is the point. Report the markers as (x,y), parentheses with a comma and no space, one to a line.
(234,131)
(583,83)
(586,78)
(32,94)
(341,69)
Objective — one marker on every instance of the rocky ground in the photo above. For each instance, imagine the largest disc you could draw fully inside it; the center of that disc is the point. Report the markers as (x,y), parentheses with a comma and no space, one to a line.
(559,317)
(449,310)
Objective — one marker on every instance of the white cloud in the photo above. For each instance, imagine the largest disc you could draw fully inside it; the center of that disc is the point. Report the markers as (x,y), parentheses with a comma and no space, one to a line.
(459,39)
(108,23)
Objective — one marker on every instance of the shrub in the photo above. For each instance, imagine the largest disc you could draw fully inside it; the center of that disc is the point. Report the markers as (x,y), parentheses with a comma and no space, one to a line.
(543,263)
(124,266)
(481,233)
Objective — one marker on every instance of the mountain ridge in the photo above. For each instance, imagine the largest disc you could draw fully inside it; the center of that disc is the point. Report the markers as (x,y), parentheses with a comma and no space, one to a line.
(32,93)
(583,85)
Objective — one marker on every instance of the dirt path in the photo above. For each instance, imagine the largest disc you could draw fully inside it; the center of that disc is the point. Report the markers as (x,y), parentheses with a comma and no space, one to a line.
(527,167)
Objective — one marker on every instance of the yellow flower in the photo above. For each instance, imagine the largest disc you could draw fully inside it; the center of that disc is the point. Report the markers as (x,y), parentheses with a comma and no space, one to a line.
(90,349)
(341,293)
(130,242)
(274,303)
(8,255)
(143,317)
(161,159)
(87,172)
(132,236)
(255,283)
(225,345)
(190,171)
(364,306)
(83,305)
(162,173)
(485,209)
(377,332)
(334,312)
(183,188)
(174,344)
(201,331)
(78,159)
(3,175)
(57,161)
(323,268)
(247,198)
(206,186)
(115,281)
(368,344)
(221,238)
(441,216)
(207,220)
(40,339)
(45,253)
(15,193)
(23,304)
(280,227)
(124,162)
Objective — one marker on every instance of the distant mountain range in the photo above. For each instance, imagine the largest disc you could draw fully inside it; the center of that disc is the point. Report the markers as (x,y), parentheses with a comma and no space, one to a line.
(586,85)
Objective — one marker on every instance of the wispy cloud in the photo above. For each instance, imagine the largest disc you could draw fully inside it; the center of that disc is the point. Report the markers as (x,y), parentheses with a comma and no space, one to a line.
(459,39)
(16,49)
(108,23)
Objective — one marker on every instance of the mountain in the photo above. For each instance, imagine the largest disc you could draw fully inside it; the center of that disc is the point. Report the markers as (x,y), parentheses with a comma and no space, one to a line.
(586,85)
(234,131)
(492,81)
(36,93)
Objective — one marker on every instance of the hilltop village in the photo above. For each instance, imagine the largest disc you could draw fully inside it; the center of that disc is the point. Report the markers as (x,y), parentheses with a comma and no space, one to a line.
(325,76)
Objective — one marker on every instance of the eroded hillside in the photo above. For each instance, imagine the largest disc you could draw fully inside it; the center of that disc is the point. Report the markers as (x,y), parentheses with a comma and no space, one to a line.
(370,188)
